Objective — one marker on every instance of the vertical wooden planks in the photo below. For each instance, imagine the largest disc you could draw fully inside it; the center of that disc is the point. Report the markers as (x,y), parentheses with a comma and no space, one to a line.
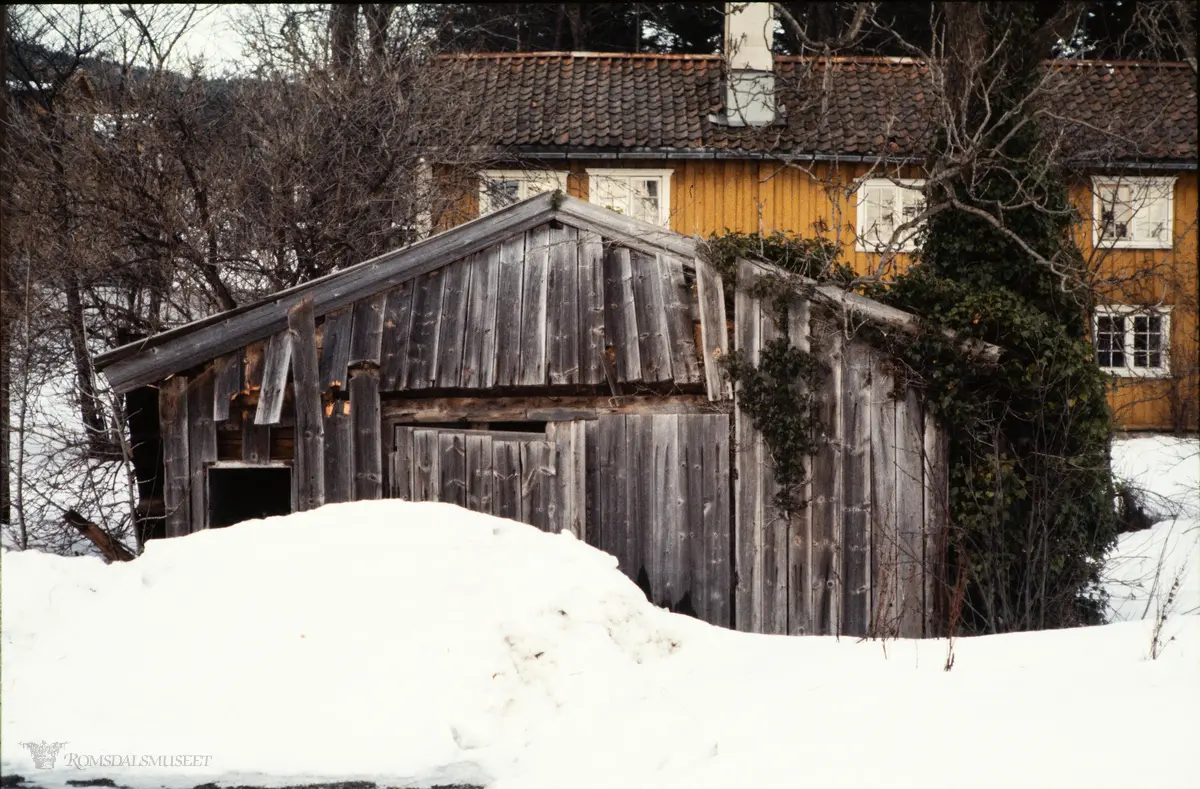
(910,514)
(884,546)
(479,473)
(335,348)
(426,473)
(800,523)
(309,468)
(173,419)
(228,383)
(640,491)
(705,447)
(508,320)
(276,360)
(748,491)
(937,522)
(397,324)
(653,343)
(592,520)
(677,562)
(620,318)
(677,303)
(339,452)
(613,475)
(533,307)
(506,485)
(856,503)
(479,339)
(368,444)
(202,444)
(776,529)
(714,333)
(256,439)
(455,294)
(827,489)
(591,308)
(537,483)
(563,307)
(423,338)
(717,521)
(401,477)
(452,466)
(366,336)
(569,497)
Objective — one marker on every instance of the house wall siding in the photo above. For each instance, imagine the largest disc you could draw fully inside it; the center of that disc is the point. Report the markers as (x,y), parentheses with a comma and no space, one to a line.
(748,196)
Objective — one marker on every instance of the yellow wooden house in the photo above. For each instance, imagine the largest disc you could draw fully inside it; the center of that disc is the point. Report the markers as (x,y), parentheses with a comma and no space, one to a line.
(759,143)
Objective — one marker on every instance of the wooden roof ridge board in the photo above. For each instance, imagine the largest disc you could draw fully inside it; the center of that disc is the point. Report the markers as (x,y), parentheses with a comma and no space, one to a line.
(154,358)
(834,296)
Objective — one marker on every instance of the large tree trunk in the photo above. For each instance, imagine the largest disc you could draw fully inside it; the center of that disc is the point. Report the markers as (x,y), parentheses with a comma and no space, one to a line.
(343,37)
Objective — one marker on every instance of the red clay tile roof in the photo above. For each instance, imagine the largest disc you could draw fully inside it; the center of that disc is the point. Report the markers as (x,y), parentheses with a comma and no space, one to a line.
(603,102)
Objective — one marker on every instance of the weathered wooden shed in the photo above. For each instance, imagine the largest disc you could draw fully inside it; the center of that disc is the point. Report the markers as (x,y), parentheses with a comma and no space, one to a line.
(557,363)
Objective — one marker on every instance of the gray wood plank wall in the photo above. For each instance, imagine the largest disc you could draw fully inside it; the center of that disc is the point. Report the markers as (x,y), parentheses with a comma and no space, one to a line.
(859,557)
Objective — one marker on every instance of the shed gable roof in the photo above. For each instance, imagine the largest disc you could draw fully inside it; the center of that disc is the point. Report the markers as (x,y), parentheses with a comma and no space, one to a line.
(154,358)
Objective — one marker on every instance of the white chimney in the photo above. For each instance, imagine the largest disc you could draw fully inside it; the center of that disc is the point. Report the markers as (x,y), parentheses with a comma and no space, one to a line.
(750,82)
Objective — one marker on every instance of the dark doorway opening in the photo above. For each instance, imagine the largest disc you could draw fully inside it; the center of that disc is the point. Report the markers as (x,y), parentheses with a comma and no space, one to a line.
(241,493)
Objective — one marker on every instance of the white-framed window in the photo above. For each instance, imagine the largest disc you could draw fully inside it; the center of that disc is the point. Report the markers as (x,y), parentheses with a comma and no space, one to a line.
(499,188)
(883,206)
(641,194)
(1133,212)
(1133,341)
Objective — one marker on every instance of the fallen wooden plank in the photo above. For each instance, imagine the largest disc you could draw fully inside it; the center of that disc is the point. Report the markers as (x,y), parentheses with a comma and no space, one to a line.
(277,359)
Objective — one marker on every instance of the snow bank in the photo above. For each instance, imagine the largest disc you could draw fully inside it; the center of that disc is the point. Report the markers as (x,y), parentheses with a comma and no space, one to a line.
(417,644)
(1158,569)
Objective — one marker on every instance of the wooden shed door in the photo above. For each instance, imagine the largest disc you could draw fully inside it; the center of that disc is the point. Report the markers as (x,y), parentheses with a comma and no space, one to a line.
(512,475)
(661,503)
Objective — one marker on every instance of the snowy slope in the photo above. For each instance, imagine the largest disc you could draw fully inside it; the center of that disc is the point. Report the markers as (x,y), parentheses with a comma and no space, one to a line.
(415,644)
(1150,567)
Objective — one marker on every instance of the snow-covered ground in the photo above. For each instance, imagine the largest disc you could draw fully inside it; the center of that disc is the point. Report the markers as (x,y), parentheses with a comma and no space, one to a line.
(418,644)
(1158,569)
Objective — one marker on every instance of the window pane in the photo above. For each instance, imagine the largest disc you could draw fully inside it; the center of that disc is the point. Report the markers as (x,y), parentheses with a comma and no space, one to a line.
(646,200)
(501,192)
(612,193)
(1110,341)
